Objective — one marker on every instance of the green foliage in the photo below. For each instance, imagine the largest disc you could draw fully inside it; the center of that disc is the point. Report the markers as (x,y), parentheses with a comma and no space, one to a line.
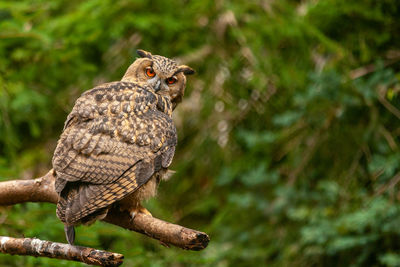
(288,134)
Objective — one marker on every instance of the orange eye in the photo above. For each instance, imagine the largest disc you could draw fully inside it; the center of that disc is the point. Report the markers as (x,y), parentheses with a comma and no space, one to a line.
(150,72)
(171,80)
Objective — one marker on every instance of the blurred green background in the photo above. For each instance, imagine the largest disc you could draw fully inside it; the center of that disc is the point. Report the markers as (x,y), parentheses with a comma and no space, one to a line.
(288,149)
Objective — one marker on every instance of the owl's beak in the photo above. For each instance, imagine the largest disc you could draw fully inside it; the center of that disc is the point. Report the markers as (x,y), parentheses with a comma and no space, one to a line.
(157,87)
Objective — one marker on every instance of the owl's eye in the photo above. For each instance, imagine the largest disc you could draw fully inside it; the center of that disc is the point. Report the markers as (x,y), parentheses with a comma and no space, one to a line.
(171,80)
(150,72)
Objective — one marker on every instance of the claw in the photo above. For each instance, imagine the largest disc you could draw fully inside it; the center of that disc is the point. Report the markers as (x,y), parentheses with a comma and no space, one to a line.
(145,211)
(140,209)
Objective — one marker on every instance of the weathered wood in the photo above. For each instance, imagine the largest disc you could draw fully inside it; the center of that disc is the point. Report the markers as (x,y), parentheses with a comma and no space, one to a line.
(167,233)
(34,190)
(40,248)
(42,190)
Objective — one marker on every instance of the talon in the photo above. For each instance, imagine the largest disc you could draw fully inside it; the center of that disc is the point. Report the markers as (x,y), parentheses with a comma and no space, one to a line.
(145,211)
(140,209)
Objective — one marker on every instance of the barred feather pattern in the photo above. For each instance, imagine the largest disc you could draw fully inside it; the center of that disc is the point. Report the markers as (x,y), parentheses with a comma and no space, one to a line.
(117,137)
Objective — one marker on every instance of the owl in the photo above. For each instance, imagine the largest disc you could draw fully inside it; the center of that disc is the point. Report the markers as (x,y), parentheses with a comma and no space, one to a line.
(118,142)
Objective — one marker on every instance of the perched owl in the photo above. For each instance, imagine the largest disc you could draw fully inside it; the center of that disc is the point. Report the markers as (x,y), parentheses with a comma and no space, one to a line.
(118,142)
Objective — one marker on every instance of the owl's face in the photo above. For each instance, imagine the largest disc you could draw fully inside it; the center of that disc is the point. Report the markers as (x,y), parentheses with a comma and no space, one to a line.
(164,75)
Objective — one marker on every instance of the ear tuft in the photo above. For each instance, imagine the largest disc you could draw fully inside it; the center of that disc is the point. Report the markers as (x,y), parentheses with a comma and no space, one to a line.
(186,70)
(143,53)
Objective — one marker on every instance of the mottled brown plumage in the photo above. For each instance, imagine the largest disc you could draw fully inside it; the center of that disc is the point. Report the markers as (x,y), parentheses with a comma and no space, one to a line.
(118,142)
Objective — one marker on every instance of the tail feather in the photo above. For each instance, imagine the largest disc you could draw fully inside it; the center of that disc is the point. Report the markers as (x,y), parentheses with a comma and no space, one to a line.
(69,234)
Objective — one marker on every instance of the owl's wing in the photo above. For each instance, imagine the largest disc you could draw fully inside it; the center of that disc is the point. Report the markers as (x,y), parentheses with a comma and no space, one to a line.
(83,199)
(113,141)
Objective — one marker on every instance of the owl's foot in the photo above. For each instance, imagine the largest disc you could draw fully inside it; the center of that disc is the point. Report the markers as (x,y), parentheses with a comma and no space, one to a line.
(139,209)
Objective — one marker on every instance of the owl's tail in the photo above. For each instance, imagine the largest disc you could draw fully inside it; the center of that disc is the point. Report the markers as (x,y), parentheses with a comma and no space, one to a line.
(69,234)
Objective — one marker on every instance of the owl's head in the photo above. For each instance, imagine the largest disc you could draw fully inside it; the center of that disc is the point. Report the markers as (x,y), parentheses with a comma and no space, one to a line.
(161,73)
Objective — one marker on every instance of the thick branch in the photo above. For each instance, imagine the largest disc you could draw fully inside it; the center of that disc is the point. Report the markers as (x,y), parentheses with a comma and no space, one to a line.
(35,190)
(167,233)
(42,190)
(40,248)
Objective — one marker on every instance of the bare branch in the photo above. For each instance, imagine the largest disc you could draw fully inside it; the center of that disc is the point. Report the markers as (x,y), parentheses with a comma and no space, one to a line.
(393,57)
(167,233)
(40,248)
(42,190)
(386,104)
(35,190)
(392,182)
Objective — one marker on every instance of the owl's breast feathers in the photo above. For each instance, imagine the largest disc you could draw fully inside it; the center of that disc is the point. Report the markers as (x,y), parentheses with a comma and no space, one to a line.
(116,137)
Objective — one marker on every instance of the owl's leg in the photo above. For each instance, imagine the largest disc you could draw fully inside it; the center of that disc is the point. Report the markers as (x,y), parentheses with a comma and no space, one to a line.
(139,209)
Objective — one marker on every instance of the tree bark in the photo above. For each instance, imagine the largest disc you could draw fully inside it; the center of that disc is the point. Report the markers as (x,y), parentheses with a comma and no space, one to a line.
(167,233)
(40,248)
(42,190)
(34,190)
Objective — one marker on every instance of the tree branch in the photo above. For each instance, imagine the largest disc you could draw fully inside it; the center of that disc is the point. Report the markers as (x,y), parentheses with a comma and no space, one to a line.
(167,233)
(39,248)
(42,190)
(35,190)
